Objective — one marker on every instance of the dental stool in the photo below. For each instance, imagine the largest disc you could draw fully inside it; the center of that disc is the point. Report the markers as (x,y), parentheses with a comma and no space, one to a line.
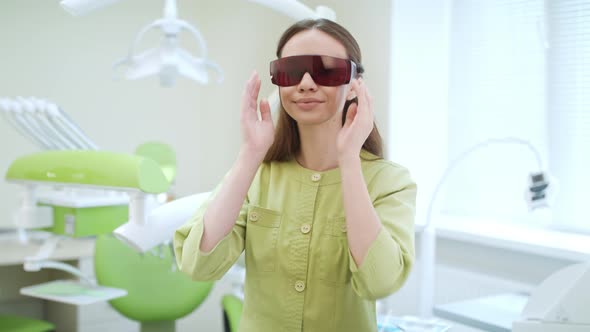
(232,311)
(10,323)
(158,294)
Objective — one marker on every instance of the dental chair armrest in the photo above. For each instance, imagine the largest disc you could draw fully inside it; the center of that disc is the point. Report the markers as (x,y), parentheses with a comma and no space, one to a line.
(161,223)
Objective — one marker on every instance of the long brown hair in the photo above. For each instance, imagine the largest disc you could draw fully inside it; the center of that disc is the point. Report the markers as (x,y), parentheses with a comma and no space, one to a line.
(286,142)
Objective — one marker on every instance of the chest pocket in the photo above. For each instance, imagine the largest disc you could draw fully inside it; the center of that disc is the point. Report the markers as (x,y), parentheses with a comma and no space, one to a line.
(334,252)
(262,234)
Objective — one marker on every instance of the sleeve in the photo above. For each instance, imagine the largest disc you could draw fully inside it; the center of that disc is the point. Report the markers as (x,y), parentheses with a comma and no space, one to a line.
(201,266)
(390,257)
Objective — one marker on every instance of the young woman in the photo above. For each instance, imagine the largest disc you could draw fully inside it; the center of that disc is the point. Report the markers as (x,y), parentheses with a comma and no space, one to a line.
(327,225)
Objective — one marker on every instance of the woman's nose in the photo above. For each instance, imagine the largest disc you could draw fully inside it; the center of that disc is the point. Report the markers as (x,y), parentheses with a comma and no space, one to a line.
(307,83)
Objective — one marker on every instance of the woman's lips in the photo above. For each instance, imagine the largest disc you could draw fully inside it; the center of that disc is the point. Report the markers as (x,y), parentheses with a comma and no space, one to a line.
(308,103)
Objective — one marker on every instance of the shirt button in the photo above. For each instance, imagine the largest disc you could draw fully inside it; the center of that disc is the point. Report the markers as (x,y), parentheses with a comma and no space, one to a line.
(253,216)
(316,177)
(299,286)
(305,228)
(343,228)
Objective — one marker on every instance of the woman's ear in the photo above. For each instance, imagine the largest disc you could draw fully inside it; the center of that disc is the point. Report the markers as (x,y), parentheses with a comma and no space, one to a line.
(351,94)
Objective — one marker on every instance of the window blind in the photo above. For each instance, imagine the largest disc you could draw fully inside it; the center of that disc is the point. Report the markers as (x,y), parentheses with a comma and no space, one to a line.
(568,102)
(496,89)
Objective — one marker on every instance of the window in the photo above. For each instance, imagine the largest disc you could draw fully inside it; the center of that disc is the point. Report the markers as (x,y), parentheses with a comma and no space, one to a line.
(496,89)
(519,68)
(465,71)
(568,102)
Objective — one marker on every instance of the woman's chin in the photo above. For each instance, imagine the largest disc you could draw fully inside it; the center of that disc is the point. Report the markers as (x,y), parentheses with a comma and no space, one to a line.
(314,117)
(311,119)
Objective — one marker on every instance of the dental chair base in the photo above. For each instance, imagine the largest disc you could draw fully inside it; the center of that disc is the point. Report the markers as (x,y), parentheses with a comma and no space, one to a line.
(163,326)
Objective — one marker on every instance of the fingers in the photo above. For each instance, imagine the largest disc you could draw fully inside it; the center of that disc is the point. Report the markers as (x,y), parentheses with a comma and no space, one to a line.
(253,87)
(365,101)
(362,95)
(369,100)
(265,113)
(250,97)
(256,88)
(250,85)
(350,114)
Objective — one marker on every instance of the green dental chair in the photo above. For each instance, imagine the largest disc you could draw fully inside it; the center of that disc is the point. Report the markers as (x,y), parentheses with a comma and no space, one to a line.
(158,294)
(232,312)
(11,323)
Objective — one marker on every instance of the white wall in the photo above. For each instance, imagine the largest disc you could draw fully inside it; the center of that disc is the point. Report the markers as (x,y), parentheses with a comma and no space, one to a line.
(47,53)
(419,91)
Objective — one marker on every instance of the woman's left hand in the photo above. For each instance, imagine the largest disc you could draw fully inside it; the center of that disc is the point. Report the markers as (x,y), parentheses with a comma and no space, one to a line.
(358,124)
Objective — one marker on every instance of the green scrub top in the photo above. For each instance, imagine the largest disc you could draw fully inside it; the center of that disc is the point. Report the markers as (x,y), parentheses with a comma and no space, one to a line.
(300,275)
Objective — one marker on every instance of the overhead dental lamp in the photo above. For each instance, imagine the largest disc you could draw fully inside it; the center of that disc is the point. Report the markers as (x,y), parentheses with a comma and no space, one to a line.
(169,60)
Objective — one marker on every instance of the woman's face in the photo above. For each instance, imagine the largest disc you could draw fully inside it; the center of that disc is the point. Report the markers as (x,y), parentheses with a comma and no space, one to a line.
(307,102)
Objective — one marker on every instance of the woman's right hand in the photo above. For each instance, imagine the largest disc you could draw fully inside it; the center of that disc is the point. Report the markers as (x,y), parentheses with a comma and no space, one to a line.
(257,136)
